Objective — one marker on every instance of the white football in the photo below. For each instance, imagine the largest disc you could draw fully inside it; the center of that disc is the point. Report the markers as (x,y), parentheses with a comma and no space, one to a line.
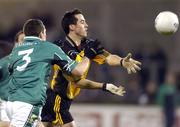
(166,23)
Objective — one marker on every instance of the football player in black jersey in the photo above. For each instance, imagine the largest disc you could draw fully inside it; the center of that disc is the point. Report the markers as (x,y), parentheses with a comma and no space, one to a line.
(65,88)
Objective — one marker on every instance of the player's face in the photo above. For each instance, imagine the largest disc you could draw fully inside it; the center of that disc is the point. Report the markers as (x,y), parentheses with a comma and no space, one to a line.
(81,27)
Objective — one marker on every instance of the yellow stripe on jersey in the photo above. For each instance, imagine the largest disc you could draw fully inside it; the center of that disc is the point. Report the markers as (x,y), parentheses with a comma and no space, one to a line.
(56,70)
(79,59)
(100,59)
(57,111)
(73,90)
(79,56)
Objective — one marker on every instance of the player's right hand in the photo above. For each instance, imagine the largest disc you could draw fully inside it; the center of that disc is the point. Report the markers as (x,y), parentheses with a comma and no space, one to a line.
(92,48)
(114,89)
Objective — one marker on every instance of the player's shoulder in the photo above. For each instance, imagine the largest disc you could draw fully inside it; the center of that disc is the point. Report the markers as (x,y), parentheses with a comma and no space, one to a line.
(64,44)
(61,42)
(4,60)
(85,41)
(48,44)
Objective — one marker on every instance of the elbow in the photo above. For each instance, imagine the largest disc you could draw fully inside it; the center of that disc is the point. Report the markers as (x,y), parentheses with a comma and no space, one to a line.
(77,72)
(81,73)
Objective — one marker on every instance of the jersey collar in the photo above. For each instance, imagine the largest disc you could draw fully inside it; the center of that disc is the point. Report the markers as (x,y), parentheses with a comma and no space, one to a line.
(72,43)
(31,38)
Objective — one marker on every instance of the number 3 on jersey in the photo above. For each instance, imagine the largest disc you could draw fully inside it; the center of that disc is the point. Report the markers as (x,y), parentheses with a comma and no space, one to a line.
(25,58)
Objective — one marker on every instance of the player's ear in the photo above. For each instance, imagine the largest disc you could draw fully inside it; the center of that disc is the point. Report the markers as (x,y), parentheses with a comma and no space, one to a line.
(42,35)
(71,27)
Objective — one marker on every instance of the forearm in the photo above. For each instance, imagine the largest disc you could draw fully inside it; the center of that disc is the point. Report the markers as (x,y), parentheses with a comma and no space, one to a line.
(108,87)
(88,84)
(113,60)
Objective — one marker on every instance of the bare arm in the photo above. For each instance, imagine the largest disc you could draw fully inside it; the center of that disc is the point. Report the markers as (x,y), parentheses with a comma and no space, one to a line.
(113,60)
(81,68)
(88,84)
(127,62)
(94,48)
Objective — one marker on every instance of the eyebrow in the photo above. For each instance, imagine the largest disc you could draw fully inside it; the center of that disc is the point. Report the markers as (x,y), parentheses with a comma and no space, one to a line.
(82,20)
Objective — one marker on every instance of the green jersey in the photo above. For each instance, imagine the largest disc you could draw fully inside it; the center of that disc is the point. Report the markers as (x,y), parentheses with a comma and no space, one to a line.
(30,63)
(4,77)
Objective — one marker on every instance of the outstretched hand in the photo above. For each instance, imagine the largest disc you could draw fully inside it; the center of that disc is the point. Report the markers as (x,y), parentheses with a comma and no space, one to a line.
(130,64)
(114,89)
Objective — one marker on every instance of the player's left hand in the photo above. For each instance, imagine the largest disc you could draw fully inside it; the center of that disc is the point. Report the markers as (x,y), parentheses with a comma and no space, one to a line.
(114,89)
(130,64)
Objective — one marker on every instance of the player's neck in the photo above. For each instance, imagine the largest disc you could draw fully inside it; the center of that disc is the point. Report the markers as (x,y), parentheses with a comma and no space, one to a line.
(76,39)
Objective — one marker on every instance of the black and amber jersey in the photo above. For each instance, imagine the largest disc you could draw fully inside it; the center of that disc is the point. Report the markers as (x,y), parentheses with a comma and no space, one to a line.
(62,84)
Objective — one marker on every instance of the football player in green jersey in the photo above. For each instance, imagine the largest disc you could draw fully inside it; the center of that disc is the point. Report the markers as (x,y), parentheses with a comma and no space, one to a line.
(4,77)
(30,68)
(63,90)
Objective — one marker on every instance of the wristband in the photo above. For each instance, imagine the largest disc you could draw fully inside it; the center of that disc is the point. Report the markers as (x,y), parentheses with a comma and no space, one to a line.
(121,62)
(104,87)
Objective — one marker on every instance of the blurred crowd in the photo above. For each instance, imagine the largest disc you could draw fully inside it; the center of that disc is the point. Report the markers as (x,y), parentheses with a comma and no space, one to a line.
(149,86)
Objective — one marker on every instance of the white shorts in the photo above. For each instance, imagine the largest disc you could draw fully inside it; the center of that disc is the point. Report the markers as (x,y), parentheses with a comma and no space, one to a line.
(20,114)
(3,114)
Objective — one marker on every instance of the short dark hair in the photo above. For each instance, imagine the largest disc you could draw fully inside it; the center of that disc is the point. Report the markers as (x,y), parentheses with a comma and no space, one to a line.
(33,27)
(17,36)
(68,19)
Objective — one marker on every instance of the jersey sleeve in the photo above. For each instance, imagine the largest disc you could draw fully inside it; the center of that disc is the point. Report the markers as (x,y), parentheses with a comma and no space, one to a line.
(4,63)
(62,60)
(101,58)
